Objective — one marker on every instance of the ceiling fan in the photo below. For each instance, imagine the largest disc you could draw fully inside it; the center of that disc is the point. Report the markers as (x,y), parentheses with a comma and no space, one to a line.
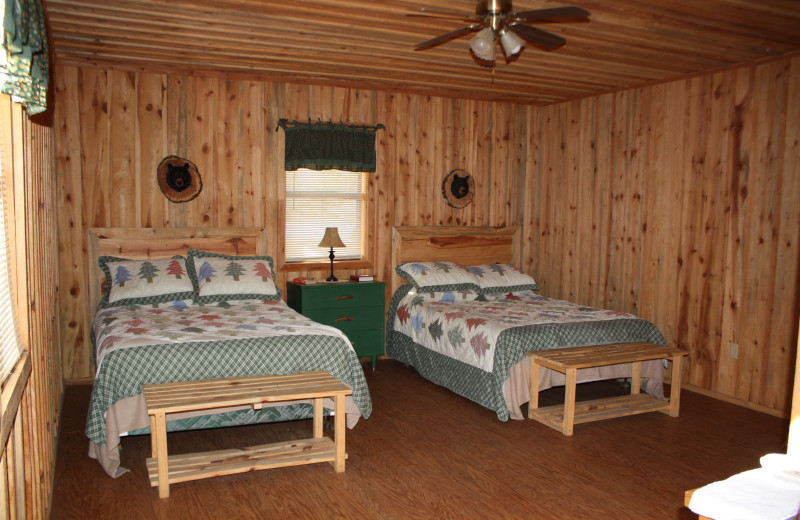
(495,20)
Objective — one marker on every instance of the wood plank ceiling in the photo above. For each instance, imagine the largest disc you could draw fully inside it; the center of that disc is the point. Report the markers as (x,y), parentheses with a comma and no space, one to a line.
(370,43)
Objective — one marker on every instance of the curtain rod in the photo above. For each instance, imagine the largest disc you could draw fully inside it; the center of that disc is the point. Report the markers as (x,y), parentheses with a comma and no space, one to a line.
(283,123)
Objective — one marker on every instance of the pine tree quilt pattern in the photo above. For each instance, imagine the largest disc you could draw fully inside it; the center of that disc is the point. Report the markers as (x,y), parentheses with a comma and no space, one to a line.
(468,330)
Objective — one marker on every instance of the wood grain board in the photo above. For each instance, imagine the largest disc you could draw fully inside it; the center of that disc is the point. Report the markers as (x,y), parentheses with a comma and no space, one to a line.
(164,398)
(674,201)
(32,423)
(370,44)
(465,245)
(569,360)
(602,355)
(193,466)
(219,393)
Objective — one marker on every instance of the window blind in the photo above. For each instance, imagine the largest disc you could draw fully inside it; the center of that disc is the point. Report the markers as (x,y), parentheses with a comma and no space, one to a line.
(319,199)
(10,348)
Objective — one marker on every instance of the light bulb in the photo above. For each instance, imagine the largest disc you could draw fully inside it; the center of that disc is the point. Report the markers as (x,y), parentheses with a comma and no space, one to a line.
(511,42)
(483,44)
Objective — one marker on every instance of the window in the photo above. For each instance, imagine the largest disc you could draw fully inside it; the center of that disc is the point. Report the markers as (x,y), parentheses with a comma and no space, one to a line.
(10,348)
(319,199)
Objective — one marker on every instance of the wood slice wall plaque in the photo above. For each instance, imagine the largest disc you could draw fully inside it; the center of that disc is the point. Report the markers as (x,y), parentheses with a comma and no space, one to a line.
(179,179)
(458,188)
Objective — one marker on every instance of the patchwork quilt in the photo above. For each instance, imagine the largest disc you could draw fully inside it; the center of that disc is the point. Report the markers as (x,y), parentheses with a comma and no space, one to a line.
(470,347)
(468,331)
(179,323)
(138,345)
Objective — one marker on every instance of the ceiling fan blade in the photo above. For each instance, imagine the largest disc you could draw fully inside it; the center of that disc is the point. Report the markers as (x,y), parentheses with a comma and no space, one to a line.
(442,13)
(447,37)
(538,37)
(571,11)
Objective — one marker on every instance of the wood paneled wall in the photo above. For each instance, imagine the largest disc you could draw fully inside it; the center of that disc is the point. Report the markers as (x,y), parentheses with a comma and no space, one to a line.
(28,475)
(680,202)
(676,201)
(113,128)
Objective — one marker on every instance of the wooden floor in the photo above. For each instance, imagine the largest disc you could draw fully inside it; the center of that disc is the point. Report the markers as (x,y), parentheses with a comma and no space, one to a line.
(428,453)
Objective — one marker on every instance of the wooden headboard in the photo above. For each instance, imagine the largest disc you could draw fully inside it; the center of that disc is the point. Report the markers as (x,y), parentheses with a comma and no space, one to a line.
(465,245)
(140,243)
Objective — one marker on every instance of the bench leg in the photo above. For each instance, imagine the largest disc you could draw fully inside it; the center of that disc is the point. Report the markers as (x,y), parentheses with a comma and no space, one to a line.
(636,377)
(161,455)
(533,404)
(317,417)
(569,401)
(338,434)
(153,444)
(675,388)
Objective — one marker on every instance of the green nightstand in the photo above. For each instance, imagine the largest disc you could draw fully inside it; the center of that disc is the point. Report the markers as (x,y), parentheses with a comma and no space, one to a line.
(355,308)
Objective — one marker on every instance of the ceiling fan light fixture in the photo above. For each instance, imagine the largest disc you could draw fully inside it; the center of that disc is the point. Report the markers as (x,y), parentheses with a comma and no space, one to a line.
(483,44)
(511,42)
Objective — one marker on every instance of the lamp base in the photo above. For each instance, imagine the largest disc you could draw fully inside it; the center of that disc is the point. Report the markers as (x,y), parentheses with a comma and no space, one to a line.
(331,278)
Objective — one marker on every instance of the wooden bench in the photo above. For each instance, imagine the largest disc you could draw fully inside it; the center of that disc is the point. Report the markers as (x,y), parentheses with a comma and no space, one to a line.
(569,360)
(252,391)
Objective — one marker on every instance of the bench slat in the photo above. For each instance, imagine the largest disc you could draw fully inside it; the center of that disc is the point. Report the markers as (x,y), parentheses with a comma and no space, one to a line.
(165,398)
(601,355)
(569,360)
(194,466)
(219,393)
(600,409)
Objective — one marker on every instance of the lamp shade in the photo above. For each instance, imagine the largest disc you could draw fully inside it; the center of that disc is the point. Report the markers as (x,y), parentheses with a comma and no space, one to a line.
(511,42)
(331,238)
(483,44)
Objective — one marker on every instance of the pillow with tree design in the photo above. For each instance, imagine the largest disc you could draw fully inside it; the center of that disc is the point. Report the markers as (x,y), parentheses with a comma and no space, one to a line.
(144,282)
(217,277)
(437,276)
(502,279)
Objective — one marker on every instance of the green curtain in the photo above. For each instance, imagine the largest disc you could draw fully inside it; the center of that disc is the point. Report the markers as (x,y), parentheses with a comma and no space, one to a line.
(25,74)
(329,146)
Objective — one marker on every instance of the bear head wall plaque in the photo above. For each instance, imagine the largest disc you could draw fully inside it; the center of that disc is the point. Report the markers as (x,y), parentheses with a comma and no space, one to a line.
(458,188)
(179,179)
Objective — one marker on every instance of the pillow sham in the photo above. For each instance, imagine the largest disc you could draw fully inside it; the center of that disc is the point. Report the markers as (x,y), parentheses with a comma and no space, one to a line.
(437,276)
(217,277)
(513,295)
(144,282)
(502,278)
(463,295)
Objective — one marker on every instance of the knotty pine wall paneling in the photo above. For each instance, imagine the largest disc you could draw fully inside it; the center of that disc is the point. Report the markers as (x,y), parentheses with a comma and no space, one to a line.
(27,483)
(115,127)
(679,202)
(675,201)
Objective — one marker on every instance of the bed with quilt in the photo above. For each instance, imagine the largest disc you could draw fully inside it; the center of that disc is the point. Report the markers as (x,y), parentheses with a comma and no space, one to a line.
(468,327)
(205,315)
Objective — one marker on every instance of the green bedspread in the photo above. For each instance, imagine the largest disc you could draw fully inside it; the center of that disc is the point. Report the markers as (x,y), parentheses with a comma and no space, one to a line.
(123,371)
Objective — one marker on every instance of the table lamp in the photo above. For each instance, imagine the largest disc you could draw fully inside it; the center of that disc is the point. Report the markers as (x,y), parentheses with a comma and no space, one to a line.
(331,239)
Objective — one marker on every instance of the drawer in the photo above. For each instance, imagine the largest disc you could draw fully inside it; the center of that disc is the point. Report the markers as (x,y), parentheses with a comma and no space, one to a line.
(342,296)
(367,342)
(349,318)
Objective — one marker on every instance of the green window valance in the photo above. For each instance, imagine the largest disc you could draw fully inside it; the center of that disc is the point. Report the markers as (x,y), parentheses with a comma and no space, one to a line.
(329,146)
(24,70)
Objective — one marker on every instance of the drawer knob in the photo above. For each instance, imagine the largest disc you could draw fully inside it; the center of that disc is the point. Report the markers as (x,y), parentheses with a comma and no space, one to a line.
(345,319)
(347,297)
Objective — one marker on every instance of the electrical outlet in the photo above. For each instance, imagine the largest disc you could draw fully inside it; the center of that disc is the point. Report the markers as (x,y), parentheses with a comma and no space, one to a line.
(734,351)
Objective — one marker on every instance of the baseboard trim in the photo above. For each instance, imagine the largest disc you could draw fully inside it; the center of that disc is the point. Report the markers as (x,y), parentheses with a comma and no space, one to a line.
(740,402)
